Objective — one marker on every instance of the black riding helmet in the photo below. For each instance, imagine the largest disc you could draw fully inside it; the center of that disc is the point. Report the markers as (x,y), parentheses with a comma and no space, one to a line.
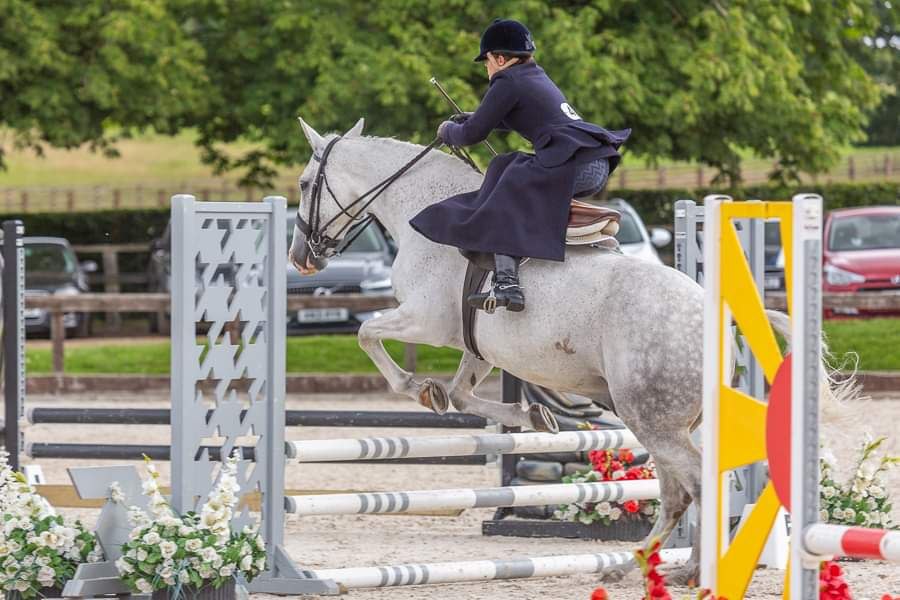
(505,35)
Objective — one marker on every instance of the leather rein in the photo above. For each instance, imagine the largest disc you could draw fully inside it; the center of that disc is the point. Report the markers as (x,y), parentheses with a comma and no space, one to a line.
(320,243)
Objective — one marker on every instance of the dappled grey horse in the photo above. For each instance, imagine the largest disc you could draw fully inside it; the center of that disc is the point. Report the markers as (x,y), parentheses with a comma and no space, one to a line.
(622,331)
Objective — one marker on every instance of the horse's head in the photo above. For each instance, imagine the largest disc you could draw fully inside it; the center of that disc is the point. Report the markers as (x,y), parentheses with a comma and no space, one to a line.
(325,193)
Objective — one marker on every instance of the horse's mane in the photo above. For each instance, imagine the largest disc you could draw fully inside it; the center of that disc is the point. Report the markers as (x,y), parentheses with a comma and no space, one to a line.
(437,157)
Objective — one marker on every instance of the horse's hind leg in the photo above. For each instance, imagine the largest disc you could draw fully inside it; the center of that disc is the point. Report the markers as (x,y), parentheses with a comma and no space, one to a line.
(469,374)
(397,325)
(678,464)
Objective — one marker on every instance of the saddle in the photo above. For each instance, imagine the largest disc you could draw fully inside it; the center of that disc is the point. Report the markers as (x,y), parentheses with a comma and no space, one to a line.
(588,225)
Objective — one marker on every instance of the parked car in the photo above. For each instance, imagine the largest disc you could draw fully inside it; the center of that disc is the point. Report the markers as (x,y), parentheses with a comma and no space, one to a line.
(773,256)
(363,268)
(862,253)
(633,237)
(51,267)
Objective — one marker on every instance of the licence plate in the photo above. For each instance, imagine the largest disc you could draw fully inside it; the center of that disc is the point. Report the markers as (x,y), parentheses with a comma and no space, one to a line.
(32,313)
(323,315)
(773,283)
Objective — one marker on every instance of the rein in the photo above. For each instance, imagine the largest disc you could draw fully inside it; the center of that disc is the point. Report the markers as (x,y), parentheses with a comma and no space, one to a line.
(322,245)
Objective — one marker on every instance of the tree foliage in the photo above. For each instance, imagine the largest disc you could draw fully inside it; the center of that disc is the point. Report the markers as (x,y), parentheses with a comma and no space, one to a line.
(85,71)
(880,56)
(696,79)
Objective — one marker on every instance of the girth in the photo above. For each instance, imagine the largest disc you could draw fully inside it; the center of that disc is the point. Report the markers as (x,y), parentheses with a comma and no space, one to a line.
(474,281)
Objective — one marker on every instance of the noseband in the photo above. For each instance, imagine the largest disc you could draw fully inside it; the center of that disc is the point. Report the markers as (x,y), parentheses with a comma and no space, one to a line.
(320,243)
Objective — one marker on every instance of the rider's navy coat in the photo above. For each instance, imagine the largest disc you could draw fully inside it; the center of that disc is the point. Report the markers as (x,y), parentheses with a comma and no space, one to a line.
(522,207)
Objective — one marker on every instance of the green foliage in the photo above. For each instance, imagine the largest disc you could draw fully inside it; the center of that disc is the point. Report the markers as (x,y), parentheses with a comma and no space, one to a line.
(698,81)
(880,57)
(70,71)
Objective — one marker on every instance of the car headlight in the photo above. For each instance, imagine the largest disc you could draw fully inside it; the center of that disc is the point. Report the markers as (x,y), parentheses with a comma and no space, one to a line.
(376,286)
(840,277)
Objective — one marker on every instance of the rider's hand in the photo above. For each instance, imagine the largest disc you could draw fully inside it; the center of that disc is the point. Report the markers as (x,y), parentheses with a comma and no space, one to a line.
(461,117)
(442,128)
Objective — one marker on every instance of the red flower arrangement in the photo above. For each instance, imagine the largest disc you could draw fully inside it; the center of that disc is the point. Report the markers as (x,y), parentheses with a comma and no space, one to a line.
(611,465)
(831,582)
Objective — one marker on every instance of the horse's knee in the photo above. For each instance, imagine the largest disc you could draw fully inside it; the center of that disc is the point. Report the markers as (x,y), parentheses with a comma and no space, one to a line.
(459,398)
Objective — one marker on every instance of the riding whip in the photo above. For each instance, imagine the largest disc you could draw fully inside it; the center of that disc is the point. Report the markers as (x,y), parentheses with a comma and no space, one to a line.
(456,107)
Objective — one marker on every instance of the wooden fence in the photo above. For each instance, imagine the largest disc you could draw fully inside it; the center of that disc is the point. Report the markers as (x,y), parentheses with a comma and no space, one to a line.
(58,306)
(156,303)
(23,200)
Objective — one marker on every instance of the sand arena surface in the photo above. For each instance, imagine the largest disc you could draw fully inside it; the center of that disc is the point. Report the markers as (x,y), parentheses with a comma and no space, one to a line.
(368,540)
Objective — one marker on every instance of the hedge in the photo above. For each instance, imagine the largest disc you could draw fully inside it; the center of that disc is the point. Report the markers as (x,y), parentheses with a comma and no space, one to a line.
(654,206)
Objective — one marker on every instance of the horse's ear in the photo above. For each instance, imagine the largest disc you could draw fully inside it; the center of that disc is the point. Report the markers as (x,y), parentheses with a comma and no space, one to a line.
(316,141)
(357,129)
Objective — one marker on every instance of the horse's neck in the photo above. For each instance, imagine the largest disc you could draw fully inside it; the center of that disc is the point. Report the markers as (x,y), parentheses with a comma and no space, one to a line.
(436,177)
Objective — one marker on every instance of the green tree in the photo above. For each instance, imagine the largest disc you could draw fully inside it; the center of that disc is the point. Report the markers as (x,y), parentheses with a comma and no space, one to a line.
(701,80)
(880,56)
(86,71)
(696,80)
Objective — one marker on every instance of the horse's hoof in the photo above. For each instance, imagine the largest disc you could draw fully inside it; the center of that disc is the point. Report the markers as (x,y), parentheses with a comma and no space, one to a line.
(687,574)
(433,395)
(542,419)
(613,575)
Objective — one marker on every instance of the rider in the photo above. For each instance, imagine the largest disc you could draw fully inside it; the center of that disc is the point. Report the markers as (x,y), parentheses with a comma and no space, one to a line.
(522,208)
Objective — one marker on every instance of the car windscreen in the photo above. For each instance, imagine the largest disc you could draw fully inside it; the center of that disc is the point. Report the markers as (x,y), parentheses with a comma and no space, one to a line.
(629,232)
(367,241)
(773,242)
(864,232)
(46,259)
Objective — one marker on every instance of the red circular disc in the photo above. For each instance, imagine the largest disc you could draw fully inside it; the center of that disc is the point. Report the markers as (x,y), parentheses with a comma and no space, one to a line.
(778,432)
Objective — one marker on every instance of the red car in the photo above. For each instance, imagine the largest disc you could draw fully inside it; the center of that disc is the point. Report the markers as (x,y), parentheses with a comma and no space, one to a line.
(862,252)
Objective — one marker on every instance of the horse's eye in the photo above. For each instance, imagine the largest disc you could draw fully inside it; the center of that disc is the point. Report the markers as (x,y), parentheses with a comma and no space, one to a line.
(304,185)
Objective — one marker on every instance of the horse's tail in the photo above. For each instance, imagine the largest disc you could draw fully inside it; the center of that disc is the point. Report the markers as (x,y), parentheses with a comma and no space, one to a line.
(838,376)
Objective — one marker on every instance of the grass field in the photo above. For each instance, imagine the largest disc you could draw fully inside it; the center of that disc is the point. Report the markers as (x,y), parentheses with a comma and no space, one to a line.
(874,341)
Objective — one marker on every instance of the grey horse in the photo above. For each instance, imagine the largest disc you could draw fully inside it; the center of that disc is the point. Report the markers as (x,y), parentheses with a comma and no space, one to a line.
(624,332)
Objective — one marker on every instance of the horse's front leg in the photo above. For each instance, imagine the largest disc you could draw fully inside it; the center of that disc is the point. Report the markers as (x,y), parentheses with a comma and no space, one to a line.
(403,326)
(471,372)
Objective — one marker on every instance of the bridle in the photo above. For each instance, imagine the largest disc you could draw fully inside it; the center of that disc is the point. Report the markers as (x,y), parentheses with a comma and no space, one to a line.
(320,243)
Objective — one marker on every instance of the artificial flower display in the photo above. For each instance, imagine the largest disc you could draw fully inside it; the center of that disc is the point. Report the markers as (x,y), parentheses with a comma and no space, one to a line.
(39,549)
(167,551)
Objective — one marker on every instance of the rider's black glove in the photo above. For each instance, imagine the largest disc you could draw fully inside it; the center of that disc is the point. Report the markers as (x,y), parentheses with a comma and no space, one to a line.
(461,117)
(441,129)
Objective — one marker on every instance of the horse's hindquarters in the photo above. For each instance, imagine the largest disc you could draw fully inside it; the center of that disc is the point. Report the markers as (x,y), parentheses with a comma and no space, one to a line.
(595,318)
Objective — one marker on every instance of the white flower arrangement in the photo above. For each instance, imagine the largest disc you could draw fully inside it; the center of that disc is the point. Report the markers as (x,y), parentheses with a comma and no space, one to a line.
(168,551)
(38,548)
(862,500)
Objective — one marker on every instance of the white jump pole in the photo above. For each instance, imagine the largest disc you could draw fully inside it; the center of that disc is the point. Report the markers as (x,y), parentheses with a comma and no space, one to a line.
(484,570)
(458,445)
(529,495)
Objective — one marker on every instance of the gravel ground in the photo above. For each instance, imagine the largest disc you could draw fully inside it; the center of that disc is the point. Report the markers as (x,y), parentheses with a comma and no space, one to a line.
(365,540)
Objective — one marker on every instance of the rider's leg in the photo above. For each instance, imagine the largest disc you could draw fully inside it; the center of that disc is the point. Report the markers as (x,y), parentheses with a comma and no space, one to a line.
(505,290)
(397,325)
(470,373)
(591,178)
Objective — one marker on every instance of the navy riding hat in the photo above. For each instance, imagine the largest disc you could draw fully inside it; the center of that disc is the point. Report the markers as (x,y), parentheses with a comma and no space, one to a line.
(505,35)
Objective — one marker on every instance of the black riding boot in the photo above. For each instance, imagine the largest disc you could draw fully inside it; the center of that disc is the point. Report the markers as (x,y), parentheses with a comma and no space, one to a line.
(505,290)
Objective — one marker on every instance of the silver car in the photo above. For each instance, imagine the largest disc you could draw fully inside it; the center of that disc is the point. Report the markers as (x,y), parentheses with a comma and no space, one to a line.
(363,268)
(633,237)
